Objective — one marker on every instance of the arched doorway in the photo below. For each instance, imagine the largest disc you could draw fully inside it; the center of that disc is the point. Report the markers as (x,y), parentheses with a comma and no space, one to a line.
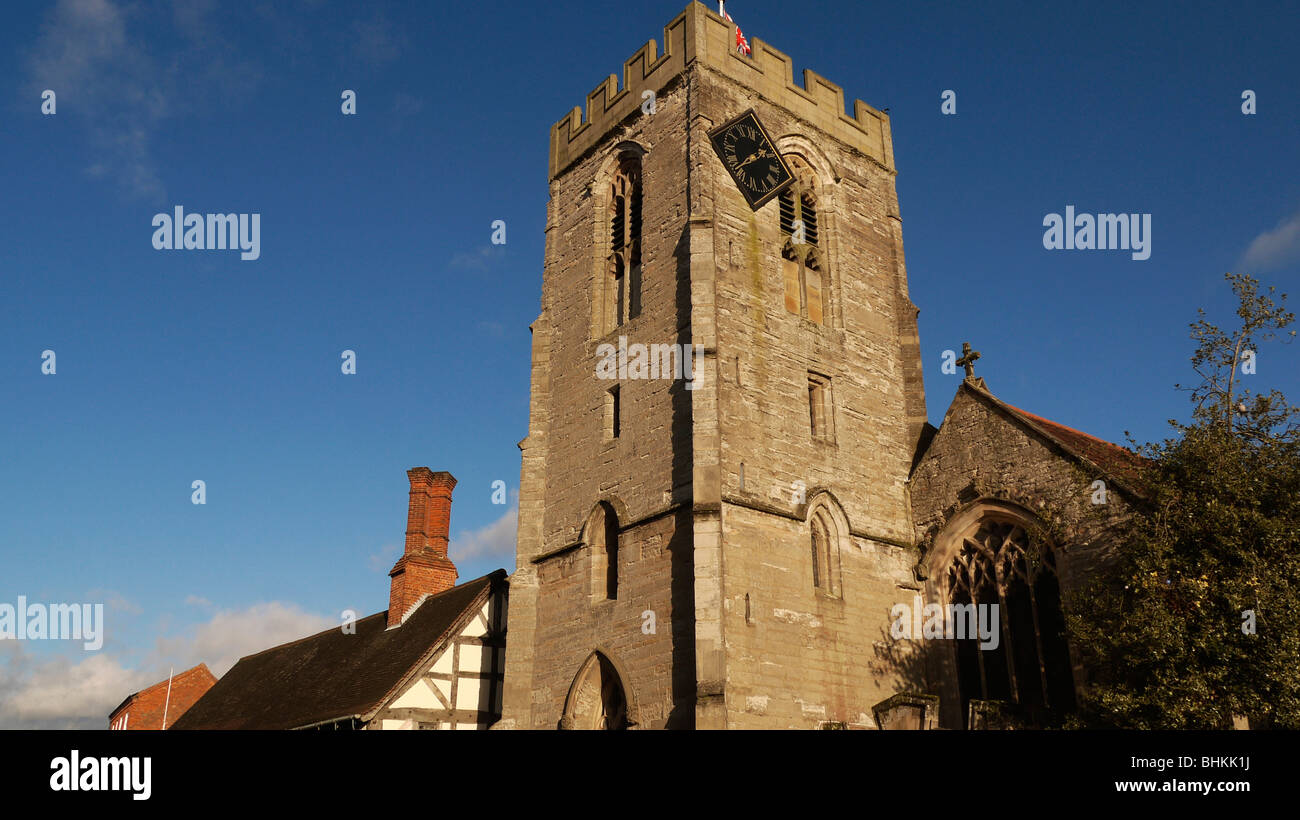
(597,699)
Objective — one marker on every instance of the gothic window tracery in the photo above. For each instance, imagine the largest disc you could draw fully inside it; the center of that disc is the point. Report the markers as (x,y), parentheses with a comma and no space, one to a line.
(1002,563)
(824,544)
(621,292)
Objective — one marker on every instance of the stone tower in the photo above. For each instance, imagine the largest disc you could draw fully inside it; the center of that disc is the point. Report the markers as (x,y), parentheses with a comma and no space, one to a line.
(720,552)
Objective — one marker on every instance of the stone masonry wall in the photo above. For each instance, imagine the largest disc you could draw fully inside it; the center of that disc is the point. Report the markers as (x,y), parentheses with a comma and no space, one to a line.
(982,457)
(638,471)
(805,658)
(695,541)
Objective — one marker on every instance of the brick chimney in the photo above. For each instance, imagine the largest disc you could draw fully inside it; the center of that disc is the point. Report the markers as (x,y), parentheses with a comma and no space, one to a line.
(424,567)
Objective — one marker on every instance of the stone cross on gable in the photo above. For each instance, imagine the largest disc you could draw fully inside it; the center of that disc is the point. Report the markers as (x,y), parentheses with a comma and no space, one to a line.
(968,358)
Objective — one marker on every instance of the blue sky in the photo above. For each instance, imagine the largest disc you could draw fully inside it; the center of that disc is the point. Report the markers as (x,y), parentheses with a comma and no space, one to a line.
(174,366)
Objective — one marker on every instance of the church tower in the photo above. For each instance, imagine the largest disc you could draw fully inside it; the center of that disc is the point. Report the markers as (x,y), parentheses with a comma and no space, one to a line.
(726,401)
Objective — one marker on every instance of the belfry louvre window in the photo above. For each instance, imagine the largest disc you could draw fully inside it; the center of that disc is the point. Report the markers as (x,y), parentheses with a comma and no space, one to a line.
(1002,564)
(798,216)
(622,287)
(801,254)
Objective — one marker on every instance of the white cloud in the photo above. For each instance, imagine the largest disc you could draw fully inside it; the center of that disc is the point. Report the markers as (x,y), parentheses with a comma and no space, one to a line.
(1273,249)
(232,634)
(123,86)
(63,692)
(77,41)
(383,560)
(56,693)
(478,260)
(376,41)
(114,601)
(86,57)
(406,105)
(496,329)
(496,540)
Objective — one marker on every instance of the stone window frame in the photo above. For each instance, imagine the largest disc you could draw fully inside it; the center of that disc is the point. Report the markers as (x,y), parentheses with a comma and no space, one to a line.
(821,388)
(613,407)
(822,182)
(824,554)
(623,162)
(947,546)
(605,566)
(801,255)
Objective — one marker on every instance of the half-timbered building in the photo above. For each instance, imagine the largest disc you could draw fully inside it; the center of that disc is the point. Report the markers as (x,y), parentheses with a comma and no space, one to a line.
(434,660)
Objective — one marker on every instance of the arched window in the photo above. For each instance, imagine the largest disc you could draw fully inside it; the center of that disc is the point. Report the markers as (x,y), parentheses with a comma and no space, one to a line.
(801,253)
(621,293)
(602,538)
(823,544)
(1001,564)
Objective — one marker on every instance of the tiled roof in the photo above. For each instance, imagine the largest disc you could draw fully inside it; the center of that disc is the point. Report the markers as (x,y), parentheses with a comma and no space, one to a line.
(333,675)
(1117,461)
(149,704)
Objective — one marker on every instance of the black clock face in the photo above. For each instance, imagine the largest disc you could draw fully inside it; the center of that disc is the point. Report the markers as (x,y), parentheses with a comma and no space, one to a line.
(748,153)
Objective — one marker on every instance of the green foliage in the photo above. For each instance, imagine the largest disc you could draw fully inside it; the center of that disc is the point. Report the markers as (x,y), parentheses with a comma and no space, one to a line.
(1161,629)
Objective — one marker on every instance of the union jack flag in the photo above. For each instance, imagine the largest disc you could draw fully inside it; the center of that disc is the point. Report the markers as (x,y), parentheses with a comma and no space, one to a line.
(742,45)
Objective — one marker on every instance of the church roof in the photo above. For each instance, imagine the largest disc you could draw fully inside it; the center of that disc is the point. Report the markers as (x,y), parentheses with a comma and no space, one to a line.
(333,675)
(1118,462)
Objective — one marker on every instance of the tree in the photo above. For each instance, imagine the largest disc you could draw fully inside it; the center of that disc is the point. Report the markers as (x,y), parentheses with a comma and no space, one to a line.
(1196,620)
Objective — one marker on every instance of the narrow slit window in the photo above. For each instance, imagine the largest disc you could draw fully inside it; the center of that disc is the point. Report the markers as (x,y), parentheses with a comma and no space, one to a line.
(820,407)
(601,536)
(612,412)
(820,550)
(817,551)
(611,556)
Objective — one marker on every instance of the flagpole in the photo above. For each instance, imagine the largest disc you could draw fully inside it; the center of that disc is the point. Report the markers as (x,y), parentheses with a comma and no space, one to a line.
(168,702)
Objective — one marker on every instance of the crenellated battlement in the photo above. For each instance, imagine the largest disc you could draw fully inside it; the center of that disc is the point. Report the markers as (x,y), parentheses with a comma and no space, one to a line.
(647,69)
(700,34)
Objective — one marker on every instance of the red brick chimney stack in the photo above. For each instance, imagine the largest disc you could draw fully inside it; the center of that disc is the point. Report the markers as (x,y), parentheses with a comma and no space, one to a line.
(424,567)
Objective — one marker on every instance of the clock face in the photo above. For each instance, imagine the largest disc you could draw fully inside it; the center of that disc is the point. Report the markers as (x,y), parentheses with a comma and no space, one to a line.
(749,154)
